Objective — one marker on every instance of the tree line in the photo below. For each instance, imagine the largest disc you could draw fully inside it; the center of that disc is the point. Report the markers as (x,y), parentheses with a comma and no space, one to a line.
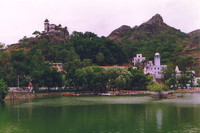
(81,54)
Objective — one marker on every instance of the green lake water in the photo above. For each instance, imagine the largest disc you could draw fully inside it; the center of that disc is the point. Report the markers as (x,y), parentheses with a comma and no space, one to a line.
(102,114)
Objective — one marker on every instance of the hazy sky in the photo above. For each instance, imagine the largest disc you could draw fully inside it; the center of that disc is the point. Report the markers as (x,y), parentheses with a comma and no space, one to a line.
(21,18)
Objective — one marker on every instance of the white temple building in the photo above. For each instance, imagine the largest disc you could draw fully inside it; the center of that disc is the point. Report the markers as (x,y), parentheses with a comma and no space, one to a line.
(138,59)
(155,69)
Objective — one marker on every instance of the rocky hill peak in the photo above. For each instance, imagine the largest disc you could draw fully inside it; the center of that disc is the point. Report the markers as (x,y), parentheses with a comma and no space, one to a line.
(119,32)
(156,19)
(154,26)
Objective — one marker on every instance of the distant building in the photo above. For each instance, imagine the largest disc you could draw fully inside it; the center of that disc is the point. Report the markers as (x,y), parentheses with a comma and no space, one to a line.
(190,73)
(52,29)
(177,72)
(155,69)
(138,59)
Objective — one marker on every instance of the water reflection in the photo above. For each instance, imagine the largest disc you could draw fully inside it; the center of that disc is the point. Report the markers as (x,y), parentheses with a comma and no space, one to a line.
(159,119)
(102,114)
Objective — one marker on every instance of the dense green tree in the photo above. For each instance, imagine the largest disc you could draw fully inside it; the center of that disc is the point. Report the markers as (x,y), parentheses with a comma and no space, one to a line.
(186,78)
(156,87)
(90,78)
(100,58)
(185,63)
(118,78)
(52,78)
(71,67)
(101,51)
(139,80)
(3,89)
(172,83)
(170,78)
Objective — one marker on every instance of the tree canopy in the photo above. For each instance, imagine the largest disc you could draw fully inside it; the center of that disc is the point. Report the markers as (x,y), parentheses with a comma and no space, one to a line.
(32,58)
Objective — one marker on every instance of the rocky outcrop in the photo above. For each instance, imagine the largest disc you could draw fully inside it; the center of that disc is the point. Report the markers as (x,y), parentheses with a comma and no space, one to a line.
(154,26)
(156,19)
(119,33)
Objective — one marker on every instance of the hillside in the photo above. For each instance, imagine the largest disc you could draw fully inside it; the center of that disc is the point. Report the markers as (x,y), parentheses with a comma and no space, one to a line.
(195,33)
(148,30)
(32,58)
(193,49)
(156,36)
(119,47)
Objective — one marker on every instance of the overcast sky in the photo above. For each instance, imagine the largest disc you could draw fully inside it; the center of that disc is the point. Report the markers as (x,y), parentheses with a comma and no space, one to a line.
(21,18)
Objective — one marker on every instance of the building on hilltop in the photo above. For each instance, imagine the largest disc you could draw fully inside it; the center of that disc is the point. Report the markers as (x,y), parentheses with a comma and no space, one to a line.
(155,69)
(138,59)
(52,29)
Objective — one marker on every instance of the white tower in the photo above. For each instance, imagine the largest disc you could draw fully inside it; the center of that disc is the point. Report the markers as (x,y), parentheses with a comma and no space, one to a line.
(157,59)
(46,26)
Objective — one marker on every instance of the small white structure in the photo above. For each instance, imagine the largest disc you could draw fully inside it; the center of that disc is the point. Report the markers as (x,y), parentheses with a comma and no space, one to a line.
(178,72)
(138,59)
(155,69)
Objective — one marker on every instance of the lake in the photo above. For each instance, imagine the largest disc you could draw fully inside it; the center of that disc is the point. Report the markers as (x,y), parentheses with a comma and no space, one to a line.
(102,114)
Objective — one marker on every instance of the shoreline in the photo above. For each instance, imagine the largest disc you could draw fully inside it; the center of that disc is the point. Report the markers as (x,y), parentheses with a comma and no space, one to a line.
(30,95)
(193,90)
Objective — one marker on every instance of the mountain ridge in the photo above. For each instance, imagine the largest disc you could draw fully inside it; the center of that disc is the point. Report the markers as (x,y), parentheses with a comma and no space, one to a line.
(148,38)
(154,30)
(153,26)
